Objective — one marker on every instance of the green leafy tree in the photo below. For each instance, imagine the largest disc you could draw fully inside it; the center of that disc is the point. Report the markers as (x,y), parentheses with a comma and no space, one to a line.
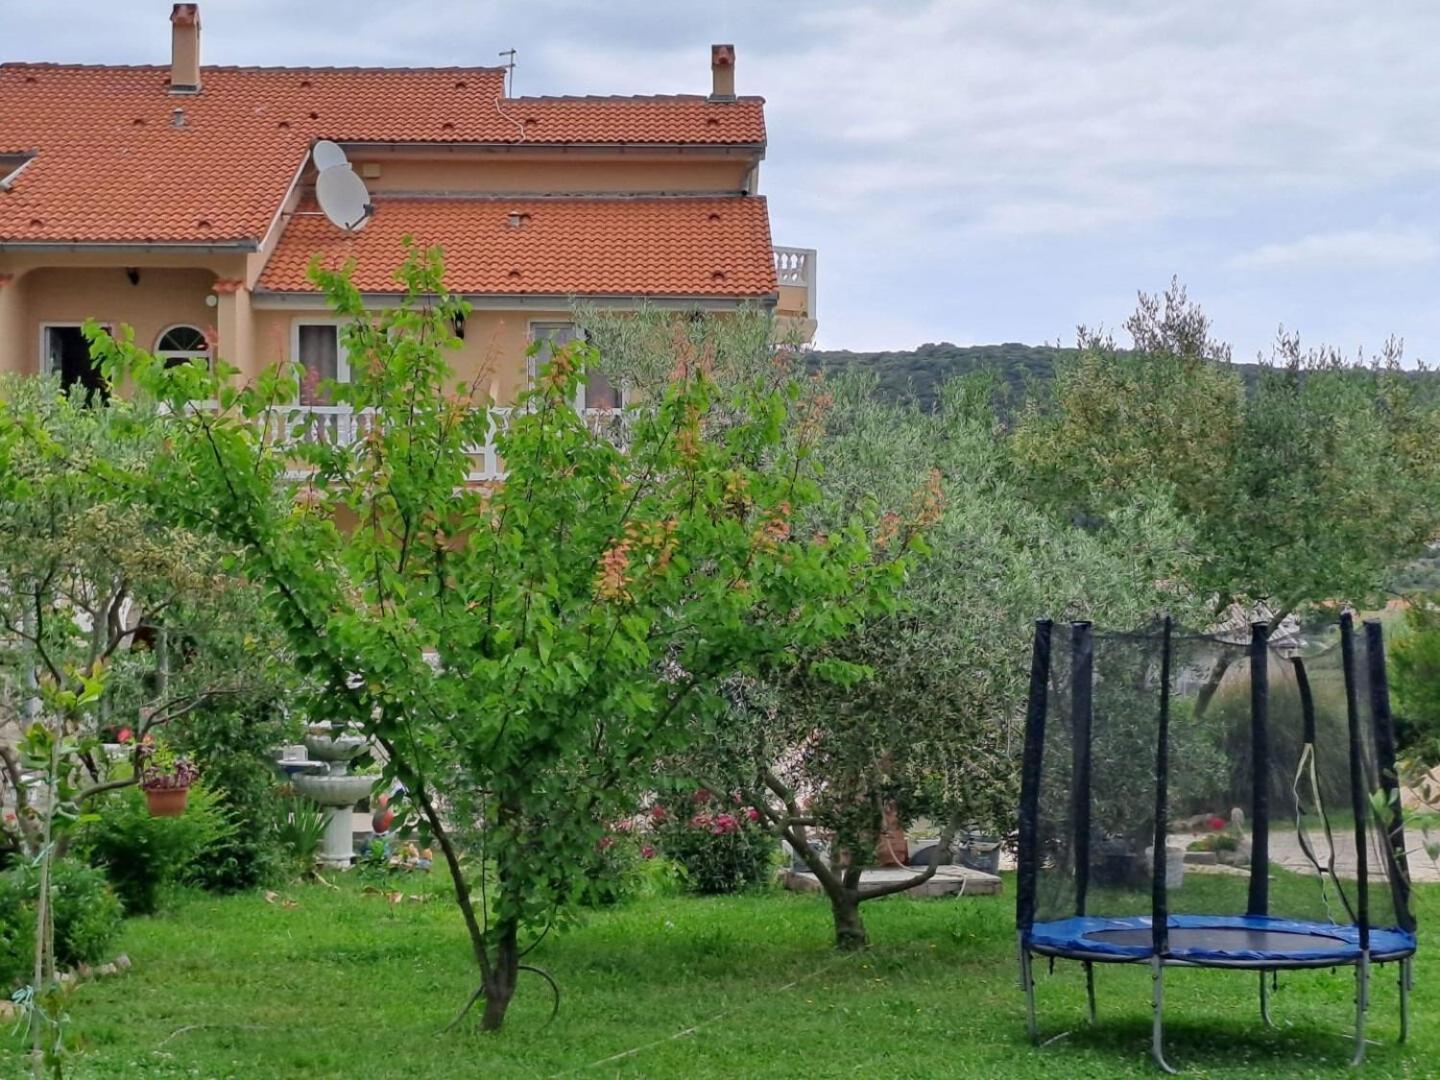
(1415,677)
(934,733)
(645,350)
(522,652)
(94,580)
(110,619)
(1314,486)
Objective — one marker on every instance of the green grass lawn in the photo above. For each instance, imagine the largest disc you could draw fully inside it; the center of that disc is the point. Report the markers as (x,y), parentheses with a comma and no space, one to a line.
(339,985)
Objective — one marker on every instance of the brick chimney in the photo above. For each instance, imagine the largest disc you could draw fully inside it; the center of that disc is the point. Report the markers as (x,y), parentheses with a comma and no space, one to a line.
(185,49)
(722,72)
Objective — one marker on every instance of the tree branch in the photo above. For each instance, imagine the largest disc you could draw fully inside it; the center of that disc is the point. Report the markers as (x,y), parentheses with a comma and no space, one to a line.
(889,888)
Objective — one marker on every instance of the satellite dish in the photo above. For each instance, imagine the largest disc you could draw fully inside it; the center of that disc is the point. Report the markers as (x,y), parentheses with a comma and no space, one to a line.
(343,198)
(327,155)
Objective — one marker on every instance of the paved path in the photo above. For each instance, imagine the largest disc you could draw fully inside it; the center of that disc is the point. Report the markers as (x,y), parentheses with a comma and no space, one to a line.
(1285,851)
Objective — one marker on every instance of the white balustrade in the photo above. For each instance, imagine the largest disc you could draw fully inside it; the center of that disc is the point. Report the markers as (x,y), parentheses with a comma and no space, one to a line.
(340,425)
(792,265)
(796,266)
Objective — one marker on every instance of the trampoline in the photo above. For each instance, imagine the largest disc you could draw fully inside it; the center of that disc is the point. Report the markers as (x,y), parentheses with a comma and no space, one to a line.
(1135,742)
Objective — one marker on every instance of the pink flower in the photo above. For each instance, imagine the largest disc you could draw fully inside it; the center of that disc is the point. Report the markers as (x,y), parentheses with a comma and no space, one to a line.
(648,851)
(125,735)
(700,821)
(735,798)
(624,826)
(752,813)
(605,843)
(1217,823)
(658,814)
(702,795)
(724,824)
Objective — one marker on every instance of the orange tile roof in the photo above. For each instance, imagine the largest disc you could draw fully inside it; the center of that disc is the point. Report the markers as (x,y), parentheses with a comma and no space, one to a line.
(717,247)
(110,165)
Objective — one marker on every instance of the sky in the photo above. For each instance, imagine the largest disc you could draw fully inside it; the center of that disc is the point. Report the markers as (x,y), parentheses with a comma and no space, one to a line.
(978,171)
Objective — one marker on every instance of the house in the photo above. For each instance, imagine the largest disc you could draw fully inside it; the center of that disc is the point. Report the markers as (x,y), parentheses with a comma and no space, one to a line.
(181,200)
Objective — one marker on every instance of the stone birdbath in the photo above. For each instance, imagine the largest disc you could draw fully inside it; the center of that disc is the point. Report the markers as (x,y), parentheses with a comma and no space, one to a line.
(335,789)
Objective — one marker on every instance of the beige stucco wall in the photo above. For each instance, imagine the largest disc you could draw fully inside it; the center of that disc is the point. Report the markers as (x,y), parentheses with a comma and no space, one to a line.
(492,354)
(162,298)
(553,175)
(794,300)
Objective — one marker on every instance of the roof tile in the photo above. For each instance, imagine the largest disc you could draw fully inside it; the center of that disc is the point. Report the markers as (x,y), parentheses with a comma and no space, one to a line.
(119,159)
(718,247)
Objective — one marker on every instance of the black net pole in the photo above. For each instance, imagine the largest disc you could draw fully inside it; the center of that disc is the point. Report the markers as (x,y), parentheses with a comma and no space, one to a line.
(1159,906)
(1307,701)
(1082,663)
(1357,780)
(1030,763)
(1389,782)
(1259,770)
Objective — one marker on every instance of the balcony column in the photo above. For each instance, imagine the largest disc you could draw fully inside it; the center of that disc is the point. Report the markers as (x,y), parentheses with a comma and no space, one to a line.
(235,326)
(15,344)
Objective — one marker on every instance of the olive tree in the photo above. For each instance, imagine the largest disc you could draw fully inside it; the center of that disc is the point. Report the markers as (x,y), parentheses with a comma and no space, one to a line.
(934,732)
(1307,483)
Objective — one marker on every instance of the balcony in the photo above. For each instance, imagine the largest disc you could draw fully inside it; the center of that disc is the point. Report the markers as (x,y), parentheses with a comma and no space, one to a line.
(340,425)
(795,271)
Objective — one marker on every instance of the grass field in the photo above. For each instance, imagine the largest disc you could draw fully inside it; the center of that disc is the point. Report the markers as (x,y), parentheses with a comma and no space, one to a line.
(342,985)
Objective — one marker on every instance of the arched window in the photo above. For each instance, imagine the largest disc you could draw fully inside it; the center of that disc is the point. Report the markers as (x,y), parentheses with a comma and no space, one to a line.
(183,345)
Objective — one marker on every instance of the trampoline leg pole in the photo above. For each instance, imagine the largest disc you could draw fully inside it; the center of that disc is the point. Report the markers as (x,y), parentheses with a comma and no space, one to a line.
(1027,983)
(1157,1034)
(1265,1002)
(1362,995)
(1090,991)
(1405,999)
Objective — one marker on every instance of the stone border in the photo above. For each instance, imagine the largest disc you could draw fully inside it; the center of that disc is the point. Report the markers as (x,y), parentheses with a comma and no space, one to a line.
(72,978)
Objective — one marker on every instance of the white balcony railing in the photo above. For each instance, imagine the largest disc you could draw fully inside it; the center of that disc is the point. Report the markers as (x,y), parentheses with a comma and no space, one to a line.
(792,265)
(796,266)
(341,425)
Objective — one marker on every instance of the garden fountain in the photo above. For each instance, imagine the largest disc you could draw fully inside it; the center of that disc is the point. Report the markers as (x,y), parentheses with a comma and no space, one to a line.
(336,789)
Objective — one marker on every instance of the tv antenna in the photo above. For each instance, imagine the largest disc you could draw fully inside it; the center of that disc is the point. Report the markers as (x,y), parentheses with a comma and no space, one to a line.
(342,195)
(509,66)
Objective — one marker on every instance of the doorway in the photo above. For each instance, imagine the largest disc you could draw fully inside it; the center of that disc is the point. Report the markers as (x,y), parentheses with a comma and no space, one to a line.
(67,354)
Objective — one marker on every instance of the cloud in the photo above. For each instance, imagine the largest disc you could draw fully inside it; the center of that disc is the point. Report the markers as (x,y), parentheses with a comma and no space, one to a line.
(1353,248)
(1077,151)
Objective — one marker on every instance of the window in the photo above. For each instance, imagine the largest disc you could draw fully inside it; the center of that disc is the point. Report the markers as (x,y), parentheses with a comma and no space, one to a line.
(598,392)
(66,353)
(11,166)
(183,345)
(316,347)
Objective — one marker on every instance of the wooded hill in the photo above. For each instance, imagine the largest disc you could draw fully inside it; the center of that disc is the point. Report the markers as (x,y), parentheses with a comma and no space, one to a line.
(919,373)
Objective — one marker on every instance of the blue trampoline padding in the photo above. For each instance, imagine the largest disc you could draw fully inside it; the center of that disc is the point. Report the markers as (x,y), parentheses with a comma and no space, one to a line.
(1233,939)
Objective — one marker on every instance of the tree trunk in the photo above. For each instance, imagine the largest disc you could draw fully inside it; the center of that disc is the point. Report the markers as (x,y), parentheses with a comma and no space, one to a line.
(850,933)
(500,984)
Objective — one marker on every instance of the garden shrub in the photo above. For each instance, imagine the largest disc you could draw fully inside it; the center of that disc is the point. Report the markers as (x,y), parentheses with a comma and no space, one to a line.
(720,845)
(296,826)
(17,931)
(249,854)
(1415,678)
(627,865)
(88,917)
(141,854)
(233,744)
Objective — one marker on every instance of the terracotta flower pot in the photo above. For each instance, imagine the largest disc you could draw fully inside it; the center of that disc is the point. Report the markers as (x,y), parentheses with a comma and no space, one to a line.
(892,847)
(167,802)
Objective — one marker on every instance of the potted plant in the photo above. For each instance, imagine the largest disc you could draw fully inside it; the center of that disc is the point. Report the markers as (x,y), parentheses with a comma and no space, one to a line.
(166,781)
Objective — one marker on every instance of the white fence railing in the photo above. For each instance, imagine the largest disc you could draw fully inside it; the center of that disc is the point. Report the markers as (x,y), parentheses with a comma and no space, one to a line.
(796,266)
(340,425)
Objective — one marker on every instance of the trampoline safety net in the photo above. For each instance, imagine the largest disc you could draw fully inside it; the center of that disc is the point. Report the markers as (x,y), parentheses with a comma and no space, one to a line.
(1170,775)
